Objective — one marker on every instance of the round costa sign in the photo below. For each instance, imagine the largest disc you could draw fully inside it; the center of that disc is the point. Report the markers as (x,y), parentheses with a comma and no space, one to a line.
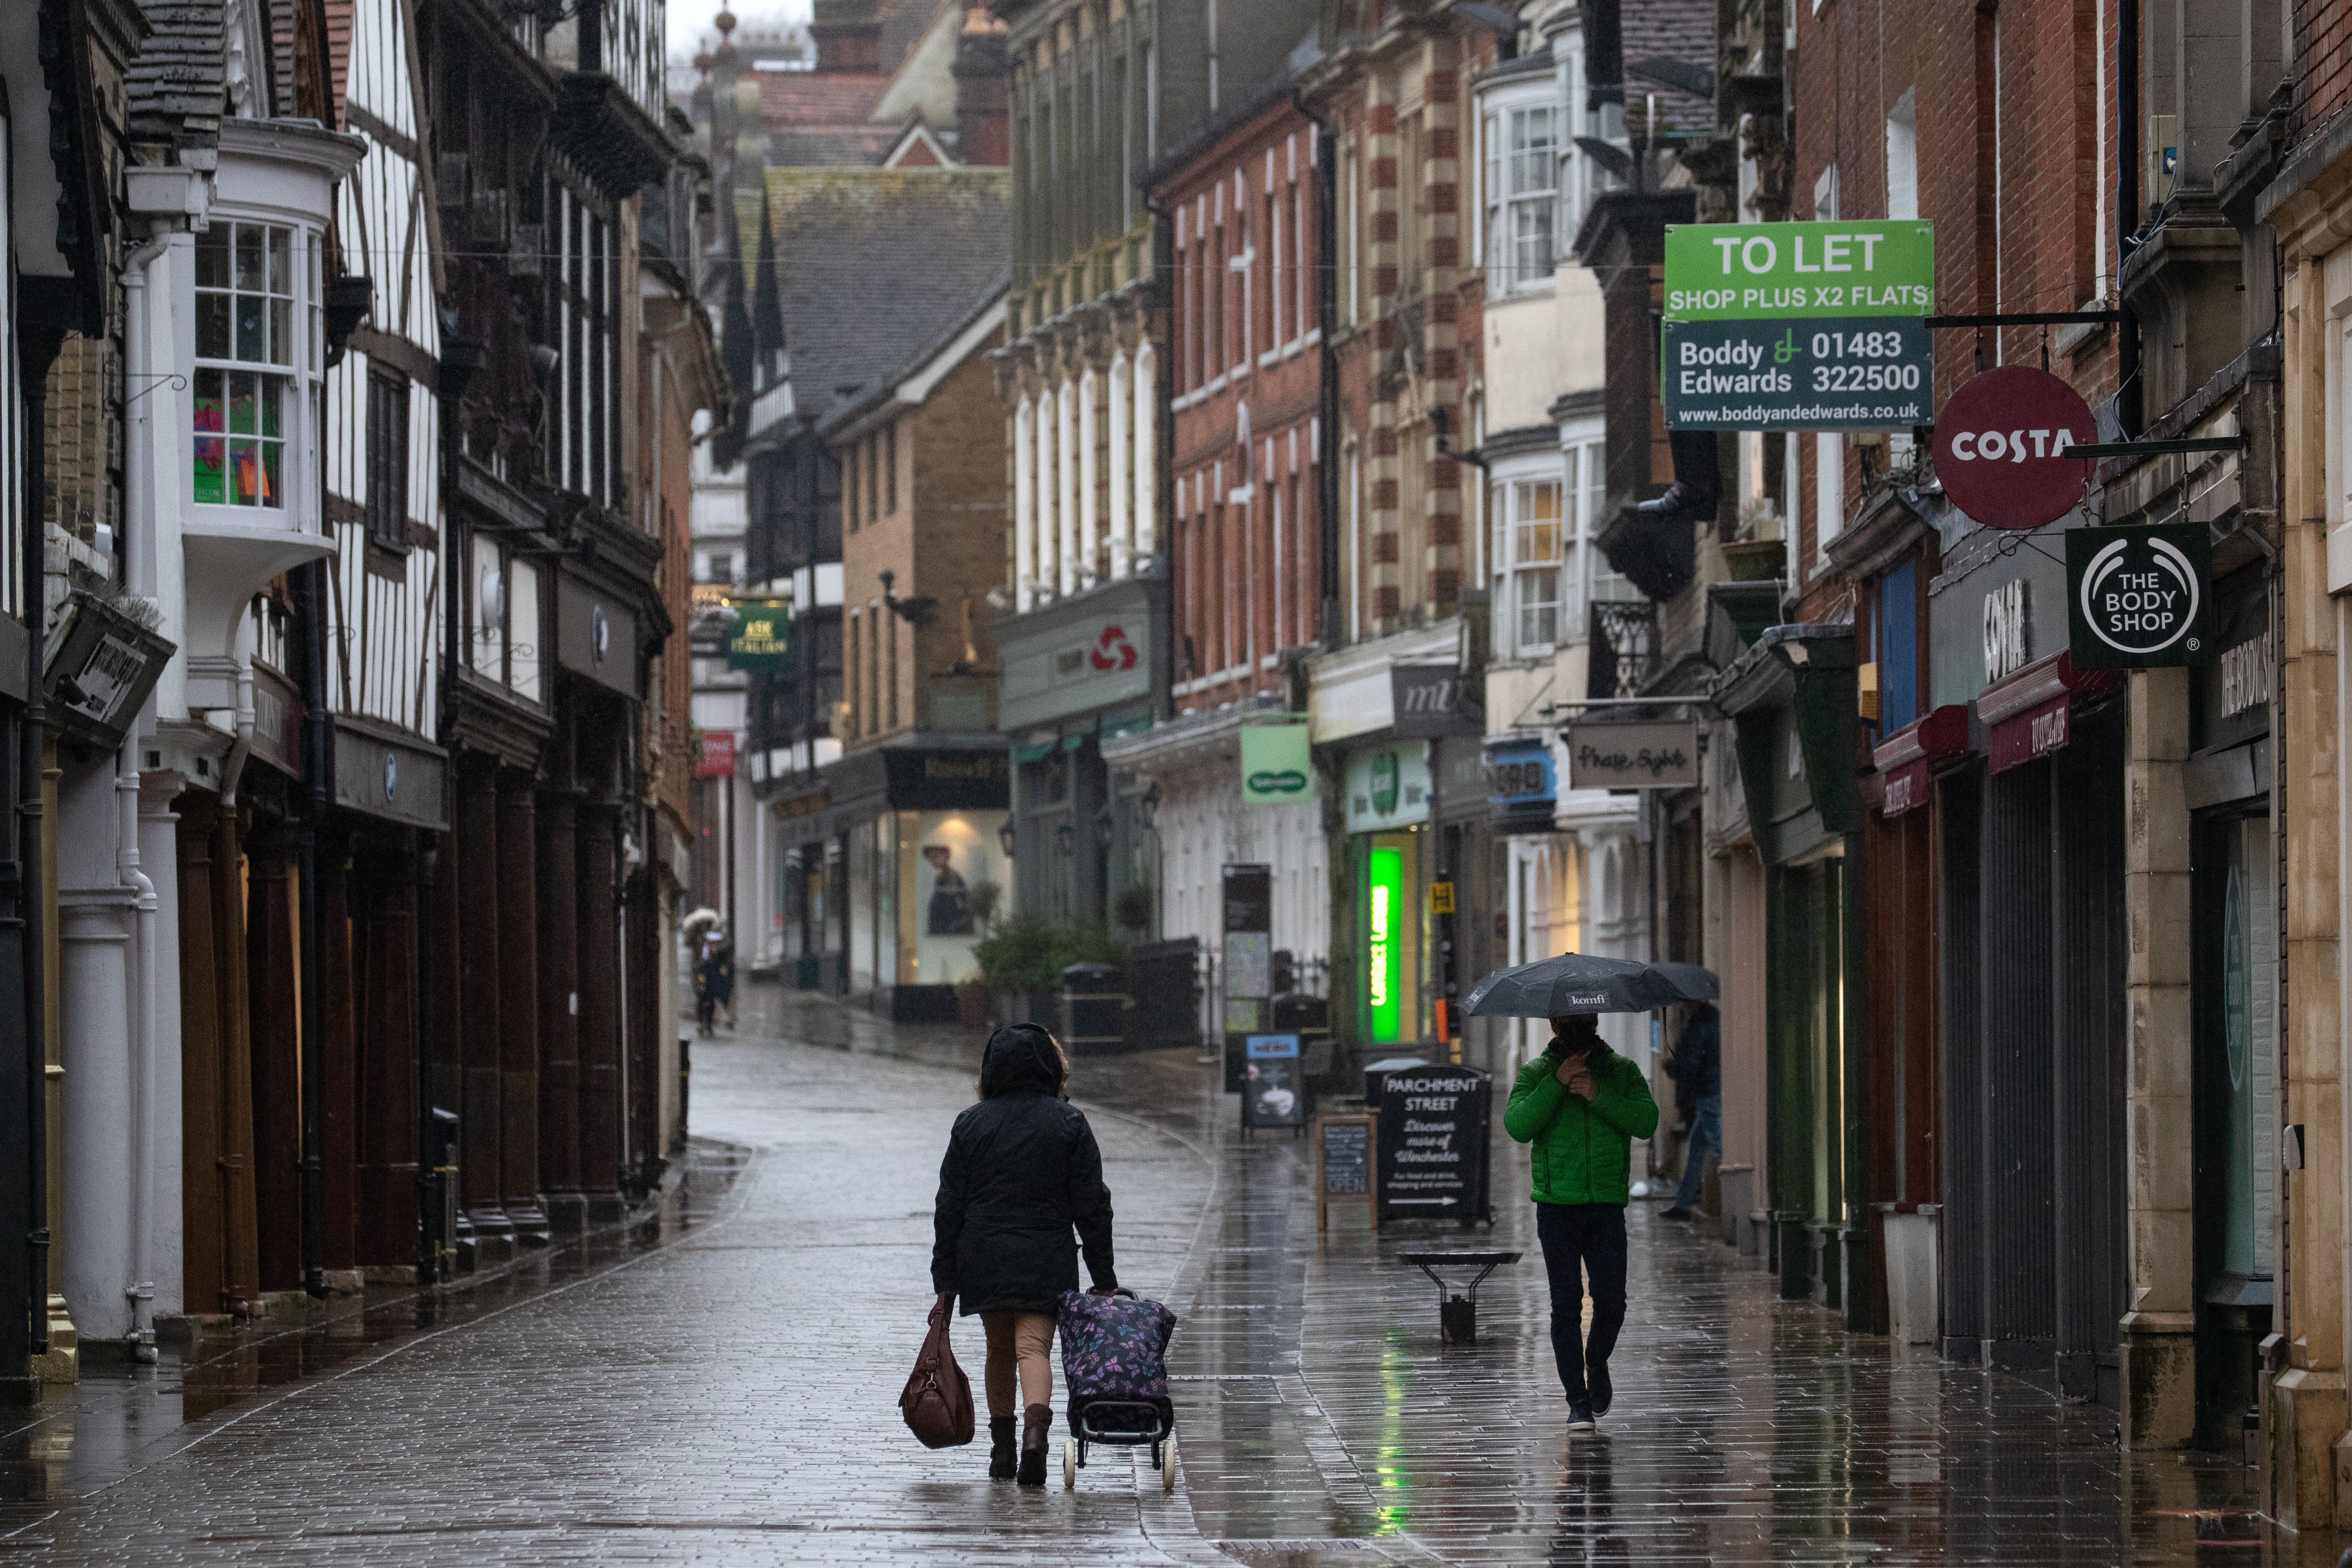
(2140,595)
(2000,446)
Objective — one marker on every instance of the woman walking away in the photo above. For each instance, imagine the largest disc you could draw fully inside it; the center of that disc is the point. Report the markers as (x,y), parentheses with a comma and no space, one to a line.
(1022,1171)
(1582,1105)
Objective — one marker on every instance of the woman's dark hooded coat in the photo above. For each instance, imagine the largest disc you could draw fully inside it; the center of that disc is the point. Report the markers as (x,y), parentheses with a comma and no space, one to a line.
(1021,1170)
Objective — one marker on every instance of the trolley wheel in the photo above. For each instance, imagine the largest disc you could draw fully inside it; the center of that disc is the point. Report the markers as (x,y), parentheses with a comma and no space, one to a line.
(1168,1463)
(1069,1464)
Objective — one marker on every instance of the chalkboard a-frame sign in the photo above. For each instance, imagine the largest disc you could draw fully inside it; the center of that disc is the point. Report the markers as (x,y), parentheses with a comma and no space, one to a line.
(1344,1162)
(1432,1149)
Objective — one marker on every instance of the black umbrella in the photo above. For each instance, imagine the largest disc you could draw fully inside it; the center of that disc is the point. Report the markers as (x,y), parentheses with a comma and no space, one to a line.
(1689,982)
(1571,983)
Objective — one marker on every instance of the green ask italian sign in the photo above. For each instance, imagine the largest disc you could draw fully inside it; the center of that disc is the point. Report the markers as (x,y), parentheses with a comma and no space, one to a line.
(1751,272)
(760,638)
(1275,770)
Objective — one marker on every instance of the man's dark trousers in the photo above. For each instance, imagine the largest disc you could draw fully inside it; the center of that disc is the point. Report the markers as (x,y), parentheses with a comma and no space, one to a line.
(1582,1242)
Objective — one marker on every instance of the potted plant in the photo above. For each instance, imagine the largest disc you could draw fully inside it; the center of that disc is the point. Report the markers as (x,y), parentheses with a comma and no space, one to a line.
(1016,960)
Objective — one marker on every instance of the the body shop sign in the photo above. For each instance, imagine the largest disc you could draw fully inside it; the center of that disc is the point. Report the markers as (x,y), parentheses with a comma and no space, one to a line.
(1385,908)
(2137,597)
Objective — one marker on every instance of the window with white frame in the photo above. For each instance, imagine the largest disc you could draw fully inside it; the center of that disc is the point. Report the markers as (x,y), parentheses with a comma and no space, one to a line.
(244,404)
(1587,478)
(1529,554)
(1584,177)
(1522,194)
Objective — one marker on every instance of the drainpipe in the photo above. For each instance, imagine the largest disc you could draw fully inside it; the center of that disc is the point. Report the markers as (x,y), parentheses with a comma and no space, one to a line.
(1327,400)
(138,479)
(310,602)
(35,354)
(2128,390)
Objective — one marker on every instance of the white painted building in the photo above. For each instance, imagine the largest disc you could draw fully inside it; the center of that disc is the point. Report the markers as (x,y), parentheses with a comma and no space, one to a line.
(1572,884)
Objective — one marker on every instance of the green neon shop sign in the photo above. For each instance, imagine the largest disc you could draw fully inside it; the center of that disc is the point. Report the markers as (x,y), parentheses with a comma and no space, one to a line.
(1384,910)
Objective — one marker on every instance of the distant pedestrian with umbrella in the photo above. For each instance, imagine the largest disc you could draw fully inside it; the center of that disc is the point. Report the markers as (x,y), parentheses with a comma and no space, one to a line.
(1696,1068)
(1581,1106)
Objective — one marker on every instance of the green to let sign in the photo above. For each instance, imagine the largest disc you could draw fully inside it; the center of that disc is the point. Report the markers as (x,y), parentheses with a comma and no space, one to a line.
(1276,769)
(761,639)
(1747,271)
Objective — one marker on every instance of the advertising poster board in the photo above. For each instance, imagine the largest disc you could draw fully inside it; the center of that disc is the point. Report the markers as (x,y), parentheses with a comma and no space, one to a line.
(1274,1089)
(1432,1152)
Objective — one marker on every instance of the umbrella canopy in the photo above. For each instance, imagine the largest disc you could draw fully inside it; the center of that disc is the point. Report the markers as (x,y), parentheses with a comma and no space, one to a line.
(1690,982)
(1571,983)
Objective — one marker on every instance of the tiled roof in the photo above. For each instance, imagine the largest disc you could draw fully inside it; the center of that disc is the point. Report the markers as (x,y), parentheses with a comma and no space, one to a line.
(831,146)
(1678,30)
(904,23)
(181,72)
(809,98)
(876,265)
(338,45)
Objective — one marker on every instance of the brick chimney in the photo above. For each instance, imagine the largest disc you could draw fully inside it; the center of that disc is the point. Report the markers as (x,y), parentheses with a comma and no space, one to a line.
(983,77)
(848,37)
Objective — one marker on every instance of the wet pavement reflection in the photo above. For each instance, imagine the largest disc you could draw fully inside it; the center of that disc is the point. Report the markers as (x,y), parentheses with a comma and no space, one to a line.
(714,1381)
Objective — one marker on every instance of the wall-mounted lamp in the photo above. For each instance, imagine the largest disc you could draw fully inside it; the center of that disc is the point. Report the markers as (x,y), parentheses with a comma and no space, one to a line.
(1007,837)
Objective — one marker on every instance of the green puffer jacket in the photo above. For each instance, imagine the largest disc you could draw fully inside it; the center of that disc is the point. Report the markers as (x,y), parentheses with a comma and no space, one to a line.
(1583,1152)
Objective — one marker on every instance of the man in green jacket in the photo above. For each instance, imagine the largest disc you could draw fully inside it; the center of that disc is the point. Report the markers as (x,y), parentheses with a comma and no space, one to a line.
(1582,1105)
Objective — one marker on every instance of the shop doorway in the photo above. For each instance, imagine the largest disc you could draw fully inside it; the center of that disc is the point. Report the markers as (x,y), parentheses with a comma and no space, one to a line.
(2235,1090)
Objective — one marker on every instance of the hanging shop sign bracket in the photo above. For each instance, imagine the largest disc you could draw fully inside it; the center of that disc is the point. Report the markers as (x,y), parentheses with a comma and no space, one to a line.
(2026,319)
(2160,449)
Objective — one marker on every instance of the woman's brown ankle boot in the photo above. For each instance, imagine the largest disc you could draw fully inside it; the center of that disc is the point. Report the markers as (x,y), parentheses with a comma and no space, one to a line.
(1003,1457)
(1036,1438)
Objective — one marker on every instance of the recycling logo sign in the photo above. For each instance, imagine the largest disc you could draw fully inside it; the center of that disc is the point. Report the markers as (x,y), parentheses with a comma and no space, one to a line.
(2137,598)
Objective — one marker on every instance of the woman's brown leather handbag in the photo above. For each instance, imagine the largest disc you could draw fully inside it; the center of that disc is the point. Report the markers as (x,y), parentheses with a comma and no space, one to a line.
(938,1400)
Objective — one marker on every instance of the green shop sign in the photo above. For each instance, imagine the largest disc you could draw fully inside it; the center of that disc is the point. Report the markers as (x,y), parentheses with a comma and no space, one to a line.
(1275,768)
(1384,916)
(1751,272)
(760,638)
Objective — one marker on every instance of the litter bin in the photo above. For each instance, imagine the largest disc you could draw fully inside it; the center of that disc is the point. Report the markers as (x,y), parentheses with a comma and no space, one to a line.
(1094,1009)
(1308,1017)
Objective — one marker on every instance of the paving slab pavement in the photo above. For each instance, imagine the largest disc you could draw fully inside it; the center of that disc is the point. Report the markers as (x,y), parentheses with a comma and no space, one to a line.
(717,1383)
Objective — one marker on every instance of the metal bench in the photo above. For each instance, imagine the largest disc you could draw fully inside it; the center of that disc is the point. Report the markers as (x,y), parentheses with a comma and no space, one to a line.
(1457,1316)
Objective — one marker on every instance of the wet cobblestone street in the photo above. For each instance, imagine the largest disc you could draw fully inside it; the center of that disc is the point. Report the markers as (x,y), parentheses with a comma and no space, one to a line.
(716,1383)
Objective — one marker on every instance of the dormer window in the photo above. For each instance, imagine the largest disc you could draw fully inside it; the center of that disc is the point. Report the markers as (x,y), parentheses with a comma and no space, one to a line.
(246,346)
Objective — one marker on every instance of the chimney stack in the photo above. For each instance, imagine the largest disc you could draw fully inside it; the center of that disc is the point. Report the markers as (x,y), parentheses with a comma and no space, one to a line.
(983,76)
(848,37)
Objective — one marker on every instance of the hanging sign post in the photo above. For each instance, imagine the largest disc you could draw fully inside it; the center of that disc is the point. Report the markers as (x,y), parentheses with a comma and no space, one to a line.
(2002,445)
(1797,326)
(760,638)
(2139,599)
